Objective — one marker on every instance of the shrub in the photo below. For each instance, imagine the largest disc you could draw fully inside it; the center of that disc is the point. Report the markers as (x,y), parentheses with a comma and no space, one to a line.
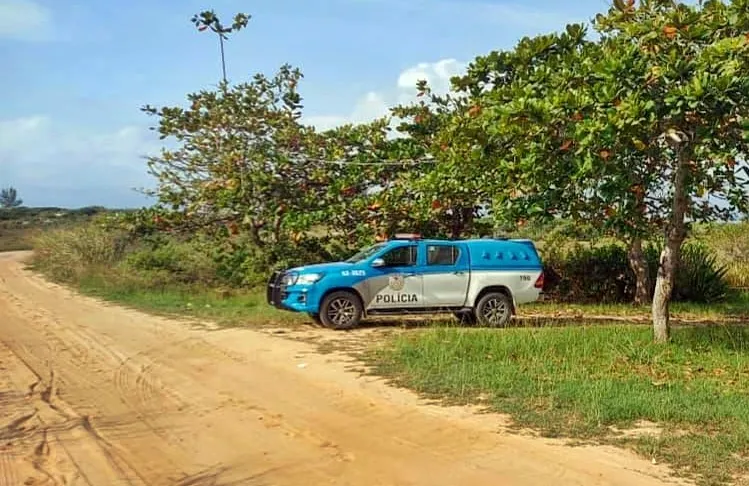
(589,274)
(578,273)
(700,277)
(185,262)
(730,242)
(68,253)
(242,263)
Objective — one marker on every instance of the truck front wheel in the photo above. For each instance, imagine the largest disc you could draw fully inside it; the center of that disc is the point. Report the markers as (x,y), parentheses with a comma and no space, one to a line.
(494,309)
(341,310)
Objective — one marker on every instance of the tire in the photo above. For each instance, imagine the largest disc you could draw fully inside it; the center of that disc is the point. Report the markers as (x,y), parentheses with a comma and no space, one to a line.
(494,309)
(338,303)
(466,318)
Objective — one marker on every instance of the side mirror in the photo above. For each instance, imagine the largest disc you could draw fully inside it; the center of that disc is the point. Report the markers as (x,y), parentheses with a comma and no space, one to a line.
(378,262)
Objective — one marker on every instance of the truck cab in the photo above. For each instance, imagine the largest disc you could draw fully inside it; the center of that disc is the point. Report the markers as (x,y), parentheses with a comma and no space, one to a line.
(481,280)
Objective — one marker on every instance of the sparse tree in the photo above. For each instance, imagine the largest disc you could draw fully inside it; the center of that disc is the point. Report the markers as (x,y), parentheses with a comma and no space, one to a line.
(9,198)
(208,20)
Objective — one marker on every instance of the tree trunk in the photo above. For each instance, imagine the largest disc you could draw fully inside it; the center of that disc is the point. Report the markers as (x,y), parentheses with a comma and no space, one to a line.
(277,224)
(461,221)
(255,235)
(639,266)
(457,223)
(667,268)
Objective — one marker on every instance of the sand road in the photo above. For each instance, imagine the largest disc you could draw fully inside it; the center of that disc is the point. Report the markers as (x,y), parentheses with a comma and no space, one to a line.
(93,394)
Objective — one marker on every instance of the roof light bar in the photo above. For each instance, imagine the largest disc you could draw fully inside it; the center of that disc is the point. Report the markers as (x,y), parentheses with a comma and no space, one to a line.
(407,236)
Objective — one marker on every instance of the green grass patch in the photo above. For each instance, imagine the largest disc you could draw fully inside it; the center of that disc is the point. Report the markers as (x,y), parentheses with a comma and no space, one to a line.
(580,381)
(226,307)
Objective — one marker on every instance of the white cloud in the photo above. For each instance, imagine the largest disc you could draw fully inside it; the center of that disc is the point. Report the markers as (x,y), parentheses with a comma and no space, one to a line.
(24,20)
(377,104)
(56,164)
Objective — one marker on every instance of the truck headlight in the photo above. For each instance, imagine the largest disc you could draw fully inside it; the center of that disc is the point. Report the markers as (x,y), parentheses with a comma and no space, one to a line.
(290,279)
(309,278)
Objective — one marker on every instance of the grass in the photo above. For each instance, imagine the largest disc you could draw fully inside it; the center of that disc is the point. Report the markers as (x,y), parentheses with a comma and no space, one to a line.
(582,381)
(735,307)
(229,308)
(15,238)
(19,227)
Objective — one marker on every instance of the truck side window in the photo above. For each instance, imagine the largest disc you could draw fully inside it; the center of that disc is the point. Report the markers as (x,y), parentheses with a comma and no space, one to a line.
(442,255)
(405,256)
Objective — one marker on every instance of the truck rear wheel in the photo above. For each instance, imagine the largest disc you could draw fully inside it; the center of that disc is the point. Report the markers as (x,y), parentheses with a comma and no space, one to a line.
(494,309)
(341,310)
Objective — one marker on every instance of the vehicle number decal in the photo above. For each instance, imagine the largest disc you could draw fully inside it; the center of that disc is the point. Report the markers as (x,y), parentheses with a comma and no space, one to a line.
(353,273)
(525,278)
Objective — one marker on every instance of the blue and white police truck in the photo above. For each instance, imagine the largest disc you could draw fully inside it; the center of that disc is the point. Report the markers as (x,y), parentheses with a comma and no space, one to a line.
(479,280)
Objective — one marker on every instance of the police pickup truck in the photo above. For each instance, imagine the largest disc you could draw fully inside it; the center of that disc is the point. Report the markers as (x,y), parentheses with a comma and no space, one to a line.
(480,280)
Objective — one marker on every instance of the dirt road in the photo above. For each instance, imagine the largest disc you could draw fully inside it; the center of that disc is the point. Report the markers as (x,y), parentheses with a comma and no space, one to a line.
(92,394)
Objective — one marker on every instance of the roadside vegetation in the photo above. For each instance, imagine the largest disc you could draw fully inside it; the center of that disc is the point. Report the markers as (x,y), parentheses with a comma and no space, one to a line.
(684,404)
(623,157)
(20,225)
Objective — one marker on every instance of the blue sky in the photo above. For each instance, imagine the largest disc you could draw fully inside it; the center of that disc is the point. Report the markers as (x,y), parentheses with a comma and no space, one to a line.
(76,72)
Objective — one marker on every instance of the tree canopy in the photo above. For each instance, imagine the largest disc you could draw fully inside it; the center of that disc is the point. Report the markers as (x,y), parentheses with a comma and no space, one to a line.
(9,198)
(638,131)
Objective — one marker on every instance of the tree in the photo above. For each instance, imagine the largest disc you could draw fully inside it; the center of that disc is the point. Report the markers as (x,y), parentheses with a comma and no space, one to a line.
(242,160)
(9,198)
(642,128)
(369,174)
(447,187)
(208,20)
(693,74)
(537,99)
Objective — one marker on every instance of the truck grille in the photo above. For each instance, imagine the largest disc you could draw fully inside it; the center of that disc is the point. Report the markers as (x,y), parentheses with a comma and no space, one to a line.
(275,292)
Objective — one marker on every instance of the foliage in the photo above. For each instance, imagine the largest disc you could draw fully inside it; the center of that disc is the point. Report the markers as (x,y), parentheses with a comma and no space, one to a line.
(20,225)
(445,188)
(183,262)
(700,277)
(589,274)
(239,162)
(601,274)
(730,242)
(66,254)
(9,198)
(208,20)
(634,130)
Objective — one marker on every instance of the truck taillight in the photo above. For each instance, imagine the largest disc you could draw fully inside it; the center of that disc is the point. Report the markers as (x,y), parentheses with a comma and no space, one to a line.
(539,281)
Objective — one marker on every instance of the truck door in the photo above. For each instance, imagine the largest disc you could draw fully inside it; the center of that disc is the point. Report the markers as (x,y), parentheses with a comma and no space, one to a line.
(446,275)
(400,284)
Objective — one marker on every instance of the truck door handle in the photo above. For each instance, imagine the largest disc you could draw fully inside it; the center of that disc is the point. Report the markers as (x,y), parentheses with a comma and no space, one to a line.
(458,272)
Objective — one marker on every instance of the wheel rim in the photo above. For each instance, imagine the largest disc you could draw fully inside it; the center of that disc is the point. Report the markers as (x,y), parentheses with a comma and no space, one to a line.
(495,311)
(341,311)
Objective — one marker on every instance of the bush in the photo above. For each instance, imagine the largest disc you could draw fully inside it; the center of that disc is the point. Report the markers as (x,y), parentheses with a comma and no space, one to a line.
(68,253)
(730,242)
(700,277)
(185,262)
(589,274)
(242,263)
(601,274)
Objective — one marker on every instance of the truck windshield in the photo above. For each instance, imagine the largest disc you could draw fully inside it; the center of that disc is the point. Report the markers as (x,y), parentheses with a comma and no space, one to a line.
(365,253)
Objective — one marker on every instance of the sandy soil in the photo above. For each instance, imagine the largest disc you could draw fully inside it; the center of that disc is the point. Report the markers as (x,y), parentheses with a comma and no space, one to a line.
(93,394)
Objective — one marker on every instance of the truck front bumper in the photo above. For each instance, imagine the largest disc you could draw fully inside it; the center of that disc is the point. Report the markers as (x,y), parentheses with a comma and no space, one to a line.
(293,298)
